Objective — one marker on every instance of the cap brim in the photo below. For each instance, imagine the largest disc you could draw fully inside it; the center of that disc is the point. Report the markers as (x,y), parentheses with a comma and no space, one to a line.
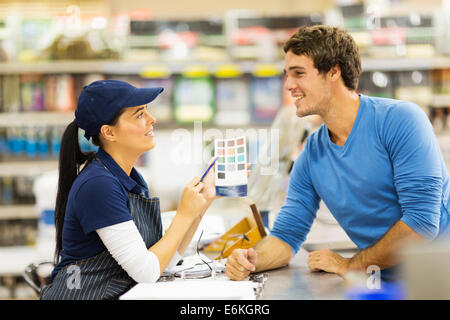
(142,96)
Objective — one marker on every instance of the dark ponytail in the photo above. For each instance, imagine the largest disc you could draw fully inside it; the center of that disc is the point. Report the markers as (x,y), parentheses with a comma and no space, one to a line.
(71,158)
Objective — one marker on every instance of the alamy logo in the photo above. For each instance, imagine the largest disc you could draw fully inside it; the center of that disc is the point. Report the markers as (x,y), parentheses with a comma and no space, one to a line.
(74,279)
(188,146)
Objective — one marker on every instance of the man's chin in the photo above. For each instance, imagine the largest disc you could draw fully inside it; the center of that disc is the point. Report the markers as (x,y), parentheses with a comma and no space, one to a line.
(302,113)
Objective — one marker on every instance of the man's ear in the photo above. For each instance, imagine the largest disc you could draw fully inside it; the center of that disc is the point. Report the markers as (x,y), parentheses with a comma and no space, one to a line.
(107,133)
(335,73)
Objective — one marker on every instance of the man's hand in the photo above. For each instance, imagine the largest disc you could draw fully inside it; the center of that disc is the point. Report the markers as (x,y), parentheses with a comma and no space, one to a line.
(240,263)
(329,261)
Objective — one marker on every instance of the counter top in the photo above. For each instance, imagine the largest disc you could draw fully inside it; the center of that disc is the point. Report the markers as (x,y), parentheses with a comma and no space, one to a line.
(297,282)
(293,282)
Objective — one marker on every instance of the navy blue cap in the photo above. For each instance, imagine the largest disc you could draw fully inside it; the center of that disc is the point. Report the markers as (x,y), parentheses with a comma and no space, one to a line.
(100,101)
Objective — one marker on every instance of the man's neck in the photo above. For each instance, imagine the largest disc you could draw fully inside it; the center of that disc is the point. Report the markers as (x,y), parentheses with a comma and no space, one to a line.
(341,114)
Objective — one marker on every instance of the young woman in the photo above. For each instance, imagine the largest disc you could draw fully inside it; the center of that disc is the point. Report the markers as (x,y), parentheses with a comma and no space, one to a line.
(108,227)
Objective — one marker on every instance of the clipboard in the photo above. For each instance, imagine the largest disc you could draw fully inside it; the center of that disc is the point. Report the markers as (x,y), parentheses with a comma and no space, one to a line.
(243,235)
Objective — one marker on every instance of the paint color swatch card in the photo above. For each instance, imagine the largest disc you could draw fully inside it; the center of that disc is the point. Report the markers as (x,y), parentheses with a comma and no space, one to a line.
(231,167)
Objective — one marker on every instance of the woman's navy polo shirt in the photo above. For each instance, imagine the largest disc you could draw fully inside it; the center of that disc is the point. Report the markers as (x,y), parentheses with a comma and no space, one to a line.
(98,198)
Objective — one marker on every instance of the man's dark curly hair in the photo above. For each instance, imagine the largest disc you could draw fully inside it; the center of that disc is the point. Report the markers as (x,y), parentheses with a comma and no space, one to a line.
(327,47)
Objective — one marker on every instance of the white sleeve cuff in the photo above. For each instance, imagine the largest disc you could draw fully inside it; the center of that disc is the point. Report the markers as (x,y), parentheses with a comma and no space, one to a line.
(127,247)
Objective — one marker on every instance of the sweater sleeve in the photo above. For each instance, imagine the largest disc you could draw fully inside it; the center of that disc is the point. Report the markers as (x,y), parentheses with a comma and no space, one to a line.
(298,212)
(417,174)
(127,247)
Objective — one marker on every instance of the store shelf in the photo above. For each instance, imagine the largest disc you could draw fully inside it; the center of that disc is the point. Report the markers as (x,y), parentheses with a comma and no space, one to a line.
(117,67)
(46,118)
(43,118)
(53,67)
(18,212)
(405,63)
(441,100)
(27,168)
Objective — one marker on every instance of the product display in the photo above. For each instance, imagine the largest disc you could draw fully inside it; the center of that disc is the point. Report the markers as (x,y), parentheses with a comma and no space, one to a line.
(32,93)
(266,98)
(232,97)
(414,86)
(377,83)
(253,37)
(193,98)
(169,40)
(11,93)
(161,107)
(16,190)
(25,143)
(60,94)
(18,232)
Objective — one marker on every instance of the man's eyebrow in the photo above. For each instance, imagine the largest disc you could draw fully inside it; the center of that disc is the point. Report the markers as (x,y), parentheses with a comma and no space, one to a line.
(137,111)
(294,68)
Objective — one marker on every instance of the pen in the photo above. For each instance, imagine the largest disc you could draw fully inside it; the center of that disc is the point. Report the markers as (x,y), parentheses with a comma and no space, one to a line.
(207,170)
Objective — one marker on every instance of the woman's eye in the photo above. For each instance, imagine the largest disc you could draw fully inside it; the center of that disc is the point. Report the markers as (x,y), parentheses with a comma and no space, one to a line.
(140,115)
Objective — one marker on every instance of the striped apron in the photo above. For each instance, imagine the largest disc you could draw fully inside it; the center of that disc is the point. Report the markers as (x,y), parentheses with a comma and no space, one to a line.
(101,277)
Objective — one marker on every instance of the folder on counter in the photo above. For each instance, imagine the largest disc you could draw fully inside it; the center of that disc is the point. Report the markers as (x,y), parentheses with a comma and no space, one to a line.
(243,235)
(192,290)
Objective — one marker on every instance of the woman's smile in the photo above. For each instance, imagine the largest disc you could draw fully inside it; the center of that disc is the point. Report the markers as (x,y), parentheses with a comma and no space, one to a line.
(150,133)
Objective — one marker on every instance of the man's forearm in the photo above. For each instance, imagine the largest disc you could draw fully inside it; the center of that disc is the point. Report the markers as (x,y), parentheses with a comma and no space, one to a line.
(272,253)
(384,253)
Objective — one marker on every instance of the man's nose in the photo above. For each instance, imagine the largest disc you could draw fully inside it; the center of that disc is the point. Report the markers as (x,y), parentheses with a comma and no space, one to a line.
(289,83)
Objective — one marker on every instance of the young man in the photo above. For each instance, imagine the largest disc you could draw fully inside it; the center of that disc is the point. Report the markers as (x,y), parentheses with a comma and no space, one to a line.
(374,162)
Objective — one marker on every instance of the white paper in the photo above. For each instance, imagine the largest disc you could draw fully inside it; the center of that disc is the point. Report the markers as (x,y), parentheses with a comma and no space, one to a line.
(192,290)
